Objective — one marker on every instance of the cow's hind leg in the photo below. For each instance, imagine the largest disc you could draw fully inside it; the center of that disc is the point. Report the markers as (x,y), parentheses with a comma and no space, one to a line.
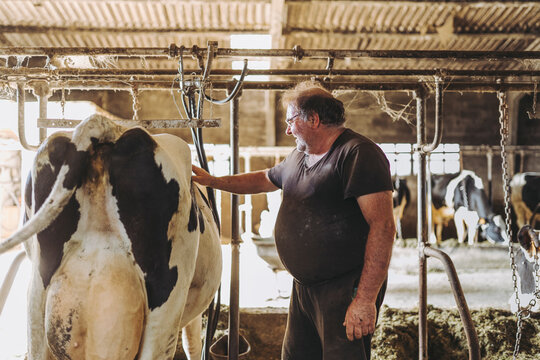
(459,221)
(191,338)
(37,341)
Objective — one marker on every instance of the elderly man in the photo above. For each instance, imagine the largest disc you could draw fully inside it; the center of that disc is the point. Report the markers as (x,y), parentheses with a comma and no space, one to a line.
(335,227)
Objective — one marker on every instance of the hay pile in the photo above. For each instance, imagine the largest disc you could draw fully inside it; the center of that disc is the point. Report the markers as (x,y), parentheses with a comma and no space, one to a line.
(396,336)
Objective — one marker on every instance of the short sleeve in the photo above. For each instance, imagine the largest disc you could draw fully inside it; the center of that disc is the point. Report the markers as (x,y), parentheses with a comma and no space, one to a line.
(365,171)
(275,174)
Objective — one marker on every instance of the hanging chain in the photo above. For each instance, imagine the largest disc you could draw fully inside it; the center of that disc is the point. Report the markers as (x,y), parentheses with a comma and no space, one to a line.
(63,102)
(536,293)
(211,86)
(532,113)
(136,104)
(504,131)
(534,98)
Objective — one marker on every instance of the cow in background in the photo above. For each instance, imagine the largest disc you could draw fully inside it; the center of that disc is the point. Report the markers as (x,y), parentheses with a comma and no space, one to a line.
(462,196)
(526,259)
(124,248)
(401,197)
(526,197)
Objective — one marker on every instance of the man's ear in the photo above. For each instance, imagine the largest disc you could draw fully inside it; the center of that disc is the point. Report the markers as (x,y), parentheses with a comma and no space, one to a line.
(314,120)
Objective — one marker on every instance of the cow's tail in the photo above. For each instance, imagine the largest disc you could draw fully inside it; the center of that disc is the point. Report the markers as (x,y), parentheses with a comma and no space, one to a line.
(94,129)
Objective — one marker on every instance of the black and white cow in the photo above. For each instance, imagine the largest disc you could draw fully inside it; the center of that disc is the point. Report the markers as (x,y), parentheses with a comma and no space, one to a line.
(126,251)
(401,198)
(526,197)
(462,196)
(526,260)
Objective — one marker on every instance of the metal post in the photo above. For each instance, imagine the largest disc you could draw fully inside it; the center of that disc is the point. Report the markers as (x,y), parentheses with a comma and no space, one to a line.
(43,92)
(247,207)
(489,156)
(21,100)
(234,314)
(422,224)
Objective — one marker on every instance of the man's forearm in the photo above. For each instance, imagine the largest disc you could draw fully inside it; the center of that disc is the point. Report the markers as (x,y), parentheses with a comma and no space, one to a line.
(376,261)
(248,183)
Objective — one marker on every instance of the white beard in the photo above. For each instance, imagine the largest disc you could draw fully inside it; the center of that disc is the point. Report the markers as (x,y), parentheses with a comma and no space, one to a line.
(301,146)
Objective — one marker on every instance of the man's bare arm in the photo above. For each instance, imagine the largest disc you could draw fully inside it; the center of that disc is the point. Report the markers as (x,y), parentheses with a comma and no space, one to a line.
(377,210)
(248,183)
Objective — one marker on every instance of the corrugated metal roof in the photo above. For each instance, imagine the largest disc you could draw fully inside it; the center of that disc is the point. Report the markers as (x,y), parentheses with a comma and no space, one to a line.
(365,25)
(412,17)
(138,15)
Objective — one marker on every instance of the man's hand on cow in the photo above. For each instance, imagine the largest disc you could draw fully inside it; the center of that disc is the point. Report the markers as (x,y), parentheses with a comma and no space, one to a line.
(360,319)
(201,176)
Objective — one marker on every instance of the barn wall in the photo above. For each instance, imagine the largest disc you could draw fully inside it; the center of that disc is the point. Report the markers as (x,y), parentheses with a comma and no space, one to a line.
(469,119)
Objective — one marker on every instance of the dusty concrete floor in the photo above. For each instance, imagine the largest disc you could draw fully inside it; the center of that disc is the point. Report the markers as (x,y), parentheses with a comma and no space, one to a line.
(483,270)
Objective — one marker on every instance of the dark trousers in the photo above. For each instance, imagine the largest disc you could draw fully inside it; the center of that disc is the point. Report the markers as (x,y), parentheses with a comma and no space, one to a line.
(315,328)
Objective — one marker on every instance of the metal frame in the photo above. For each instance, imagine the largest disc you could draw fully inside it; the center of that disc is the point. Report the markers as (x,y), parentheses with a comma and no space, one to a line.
(484,81)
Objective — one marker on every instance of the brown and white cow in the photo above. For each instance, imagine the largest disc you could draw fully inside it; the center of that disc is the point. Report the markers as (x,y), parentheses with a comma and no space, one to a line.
(527,270)
(526,197)
(124,247)
(462,197)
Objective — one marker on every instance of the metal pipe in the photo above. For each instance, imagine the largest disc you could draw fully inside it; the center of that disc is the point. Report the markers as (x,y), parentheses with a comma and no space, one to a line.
(297,53)
(464,313)
(482,149)
(438,118)
(43,101)
(489,156)
(10,277)
(234,313)
(82,73)
(21,99)
(283,85)
(422,224)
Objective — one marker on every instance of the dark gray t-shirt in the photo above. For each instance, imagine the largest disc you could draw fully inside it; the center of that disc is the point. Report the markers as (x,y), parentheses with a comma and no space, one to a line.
(320,230)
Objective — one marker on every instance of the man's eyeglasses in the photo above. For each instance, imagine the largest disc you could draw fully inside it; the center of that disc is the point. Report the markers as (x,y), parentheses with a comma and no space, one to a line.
(290,121)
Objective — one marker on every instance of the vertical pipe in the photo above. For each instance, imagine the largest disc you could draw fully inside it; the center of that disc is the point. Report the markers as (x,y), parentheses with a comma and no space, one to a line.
(247,205)
(21,99)
(234,315)
(43,101)
(42,91)
(489,155)
(422,224)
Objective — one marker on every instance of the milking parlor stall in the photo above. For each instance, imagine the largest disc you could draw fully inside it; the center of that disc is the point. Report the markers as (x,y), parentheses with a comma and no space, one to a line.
(448,90)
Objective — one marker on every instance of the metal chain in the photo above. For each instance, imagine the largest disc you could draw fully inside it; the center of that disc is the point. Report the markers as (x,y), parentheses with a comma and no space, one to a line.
(534,99)
(537,273)
(136,104)
(536,293)
(504,131)
(63,102)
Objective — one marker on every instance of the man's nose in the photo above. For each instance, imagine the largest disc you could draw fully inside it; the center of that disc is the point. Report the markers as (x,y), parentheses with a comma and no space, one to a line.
(288,130)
